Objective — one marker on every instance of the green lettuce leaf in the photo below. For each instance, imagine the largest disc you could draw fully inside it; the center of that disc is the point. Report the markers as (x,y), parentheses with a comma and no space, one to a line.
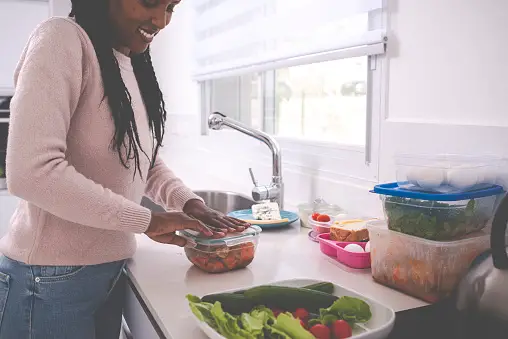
(292,327)
(352,310)
(202,311)
(228,324)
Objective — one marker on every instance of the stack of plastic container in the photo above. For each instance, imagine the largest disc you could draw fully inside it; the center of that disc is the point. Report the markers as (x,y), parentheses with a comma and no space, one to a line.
(436,216)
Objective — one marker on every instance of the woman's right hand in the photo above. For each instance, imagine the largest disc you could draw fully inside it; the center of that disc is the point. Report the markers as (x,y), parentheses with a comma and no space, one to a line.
(163,227)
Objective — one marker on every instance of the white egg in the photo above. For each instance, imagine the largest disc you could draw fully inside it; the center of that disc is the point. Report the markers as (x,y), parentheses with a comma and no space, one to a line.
(463,178)
(354,248)
(430,178)
(367,247)
(489,176)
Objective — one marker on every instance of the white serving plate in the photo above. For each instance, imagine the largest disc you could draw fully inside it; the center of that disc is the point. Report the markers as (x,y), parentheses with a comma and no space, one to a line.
(379,327)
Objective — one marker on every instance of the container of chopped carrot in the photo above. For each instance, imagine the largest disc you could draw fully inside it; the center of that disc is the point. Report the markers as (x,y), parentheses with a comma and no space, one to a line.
(231,253)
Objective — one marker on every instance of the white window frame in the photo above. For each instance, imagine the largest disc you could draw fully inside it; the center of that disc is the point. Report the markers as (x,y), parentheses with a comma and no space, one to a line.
(339,162)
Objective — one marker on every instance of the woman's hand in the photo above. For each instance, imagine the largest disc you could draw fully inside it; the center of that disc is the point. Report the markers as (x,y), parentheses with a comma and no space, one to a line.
(215,220)
(163,227)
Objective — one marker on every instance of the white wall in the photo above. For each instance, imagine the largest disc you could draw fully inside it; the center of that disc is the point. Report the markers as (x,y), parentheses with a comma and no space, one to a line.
(445,93)
(60,7)
(447,79)
(17,21)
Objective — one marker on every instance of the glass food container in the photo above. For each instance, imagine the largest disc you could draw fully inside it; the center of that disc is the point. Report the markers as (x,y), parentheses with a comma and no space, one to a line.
(320,206)
(437,216)
(233,252)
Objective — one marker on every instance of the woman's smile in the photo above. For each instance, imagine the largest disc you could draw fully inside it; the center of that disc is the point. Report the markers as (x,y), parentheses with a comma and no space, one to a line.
(147,35)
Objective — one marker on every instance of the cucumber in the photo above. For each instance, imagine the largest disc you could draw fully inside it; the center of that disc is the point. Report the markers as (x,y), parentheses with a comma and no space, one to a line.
(232,303)
(325,287)
(322,286)
(290,298)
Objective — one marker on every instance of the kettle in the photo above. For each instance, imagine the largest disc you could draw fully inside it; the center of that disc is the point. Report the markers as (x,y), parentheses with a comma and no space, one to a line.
(484,290)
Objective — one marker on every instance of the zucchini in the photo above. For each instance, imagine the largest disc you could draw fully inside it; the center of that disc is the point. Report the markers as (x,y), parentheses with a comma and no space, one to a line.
(232,303)
(290,298)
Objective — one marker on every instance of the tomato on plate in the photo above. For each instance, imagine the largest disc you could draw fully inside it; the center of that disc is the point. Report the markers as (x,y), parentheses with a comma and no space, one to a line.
(301,313)
(320,331)
(341,329)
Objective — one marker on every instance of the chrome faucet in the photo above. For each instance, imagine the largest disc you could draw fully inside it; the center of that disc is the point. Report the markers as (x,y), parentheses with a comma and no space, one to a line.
(273,191)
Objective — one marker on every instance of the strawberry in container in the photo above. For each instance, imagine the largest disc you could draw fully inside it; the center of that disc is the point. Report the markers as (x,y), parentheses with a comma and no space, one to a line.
(231,253)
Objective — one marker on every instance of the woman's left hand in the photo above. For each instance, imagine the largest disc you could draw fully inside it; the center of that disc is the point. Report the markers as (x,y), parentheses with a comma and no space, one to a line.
(212,218)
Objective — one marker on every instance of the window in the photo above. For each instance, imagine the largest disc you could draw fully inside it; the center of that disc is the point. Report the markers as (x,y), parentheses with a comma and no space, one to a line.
(324,101)
(303,70)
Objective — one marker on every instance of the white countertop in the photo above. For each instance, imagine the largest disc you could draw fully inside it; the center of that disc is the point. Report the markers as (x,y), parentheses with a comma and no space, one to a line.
(163,276)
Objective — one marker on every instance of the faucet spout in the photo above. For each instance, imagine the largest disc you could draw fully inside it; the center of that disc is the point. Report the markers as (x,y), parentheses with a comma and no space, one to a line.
(217,121)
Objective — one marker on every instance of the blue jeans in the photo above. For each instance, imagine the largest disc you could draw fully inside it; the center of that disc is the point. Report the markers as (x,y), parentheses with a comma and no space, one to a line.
(61,302)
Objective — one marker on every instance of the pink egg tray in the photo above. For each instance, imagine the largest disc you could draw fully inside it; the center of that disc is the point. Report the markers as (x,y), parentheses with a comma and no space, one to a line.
(336,250)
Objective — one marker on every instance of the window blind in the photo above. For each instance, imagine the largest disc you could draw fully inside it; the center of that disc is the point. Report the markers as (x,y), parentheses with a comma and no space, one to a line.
(234,37)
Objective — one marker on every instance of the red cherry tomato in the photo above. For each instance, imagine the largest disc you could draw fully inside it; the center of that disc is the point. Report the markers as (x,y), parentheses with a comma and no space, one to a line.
(341,329)
(301,313)
(276,312)
(323,218)
(320,331)
(315,216)
(302,323)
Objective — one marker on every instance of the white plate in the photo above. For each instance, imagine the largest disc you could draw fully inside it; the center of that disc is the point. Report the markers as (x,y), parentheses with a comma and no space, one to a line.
(379,327)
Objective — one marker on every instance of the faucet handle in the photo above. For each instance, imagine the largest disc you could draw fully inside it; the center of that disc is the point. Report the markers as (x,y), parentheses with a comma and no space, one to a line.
(254,181)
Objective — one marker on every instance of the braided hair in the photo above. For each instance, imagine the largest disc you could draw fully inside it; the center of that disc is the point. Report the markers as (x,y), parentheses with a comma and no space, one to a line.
(93,17)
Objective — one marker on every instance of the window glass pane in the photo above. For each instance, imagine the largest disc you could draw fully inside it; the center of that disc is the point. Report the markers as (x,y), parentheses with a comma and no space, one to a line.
(239,98)
(324,101)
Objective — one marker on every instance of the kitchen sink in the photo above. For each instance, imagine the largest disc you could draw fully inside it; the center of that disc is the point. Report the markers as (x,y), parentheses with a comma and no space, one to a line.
(225,202)
(221,201)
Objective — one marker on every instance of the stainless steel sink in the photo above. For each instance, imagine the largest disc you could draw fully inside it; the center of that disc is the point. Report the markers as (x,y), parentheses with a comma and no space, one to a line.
(221,201)
(225,202)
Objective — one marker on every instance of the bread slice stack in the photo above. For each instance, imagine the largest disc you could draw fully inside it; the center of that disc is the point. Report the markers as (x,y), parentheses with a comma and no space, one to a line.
(350,230)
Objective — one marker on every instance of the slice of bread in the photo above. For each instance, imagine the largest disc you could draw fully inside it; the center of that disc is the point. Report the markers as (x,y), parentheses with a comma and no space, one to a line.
(349,230)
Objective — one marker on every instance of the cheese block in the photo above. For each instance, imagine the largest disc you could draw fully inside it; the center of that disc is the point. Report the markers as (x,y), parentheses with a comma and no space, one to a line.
(349,230)
(266,211)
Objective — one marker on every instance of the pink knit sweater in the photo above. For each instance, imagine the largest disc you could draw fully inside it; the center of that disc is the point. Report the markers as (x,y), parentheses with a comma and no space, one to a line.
(79,204)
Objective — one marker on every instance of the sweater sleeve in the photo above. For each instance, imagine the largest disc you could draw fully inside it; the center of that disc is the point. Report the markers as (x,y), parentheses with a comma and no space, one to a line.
(49,80)
(165,189)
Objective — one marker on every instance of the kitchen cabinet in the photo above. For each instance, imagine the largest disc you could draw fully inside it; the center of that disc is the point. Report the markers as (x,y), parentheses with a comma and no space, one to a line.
(18,19)
(136,317)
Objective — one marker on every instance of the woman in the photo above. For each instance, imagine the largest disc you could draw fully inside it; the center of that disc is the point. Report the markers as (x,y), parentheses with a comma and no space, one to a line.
(87,121)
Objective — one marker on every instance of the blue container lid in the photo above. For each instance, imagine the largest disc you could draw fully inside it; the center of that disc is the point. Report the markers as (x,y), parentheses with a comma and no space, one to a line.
(393,189)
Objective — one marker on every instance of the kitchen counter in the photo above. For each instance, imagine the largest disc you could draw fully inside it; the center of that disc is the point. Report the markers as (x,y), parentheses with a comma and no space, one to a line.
(161,276)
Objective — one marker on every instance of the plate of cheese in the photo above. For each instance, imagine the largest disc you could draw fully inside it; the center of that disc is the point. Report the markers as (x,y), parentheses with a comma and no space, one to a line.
(266,215)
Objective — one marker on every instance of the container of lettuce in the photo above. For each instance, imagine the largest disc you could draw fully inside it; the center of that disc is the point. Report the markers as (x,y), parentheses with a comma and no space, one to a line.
(435,216)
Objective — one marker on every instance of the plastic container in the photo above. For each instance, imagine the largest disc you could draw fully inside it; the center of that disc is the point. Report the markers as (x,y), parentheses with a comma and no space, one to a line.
(222,255)
(307,209)
(429,270)
(320,227)
(336,250)
(437,216)
(447,173)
